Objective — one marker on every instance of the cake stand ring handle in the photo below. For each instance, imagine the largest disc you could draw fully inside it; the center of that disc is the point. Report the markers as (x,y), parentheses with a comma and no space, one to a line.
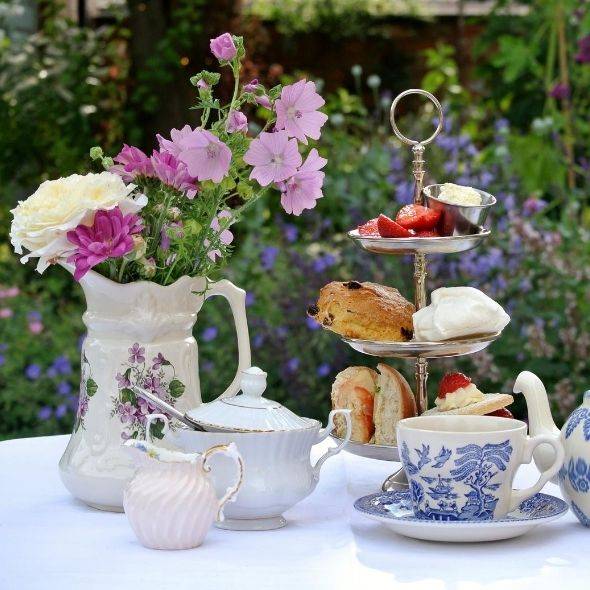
(432,99)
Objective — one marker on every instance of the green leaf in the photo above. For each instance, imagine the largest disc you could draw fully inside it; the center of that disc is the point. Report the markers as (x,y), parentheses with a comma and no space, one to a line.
(128,396)
(176,388)
(91,387)
(157,429)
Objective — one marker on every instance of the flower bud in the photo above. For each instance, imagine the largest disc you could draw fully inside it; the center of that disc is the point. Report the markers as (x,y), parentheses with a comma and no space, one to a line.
(373,81)
(95,152)
(139,248)
(147,267)
(174,213)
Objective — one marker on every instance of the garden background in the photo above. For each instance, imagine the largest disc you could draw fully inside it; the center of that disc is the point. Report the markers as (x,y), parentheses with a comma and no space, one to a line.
(513,78)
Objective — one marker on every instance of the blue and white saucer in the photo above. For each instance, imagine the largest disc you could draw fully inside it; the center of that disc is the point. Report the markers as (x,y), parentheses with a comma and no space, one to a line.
(394,510)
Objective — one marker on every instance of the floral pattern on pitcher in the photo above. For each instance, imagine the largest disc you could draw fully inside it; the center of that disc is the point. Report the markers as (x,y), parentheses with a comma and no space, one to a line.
(88,387)
(469,492)
(157,376)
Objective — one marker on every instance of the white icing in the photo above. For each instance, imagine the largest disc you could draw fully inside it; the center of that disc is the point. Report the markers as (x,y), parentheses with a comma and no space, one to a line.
(456,312)
(459,398)
(458,195)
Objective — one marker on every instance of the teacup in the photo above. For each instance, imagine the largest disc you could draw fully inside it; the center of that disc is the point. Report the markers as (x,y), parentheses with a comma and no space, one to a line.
(462,467)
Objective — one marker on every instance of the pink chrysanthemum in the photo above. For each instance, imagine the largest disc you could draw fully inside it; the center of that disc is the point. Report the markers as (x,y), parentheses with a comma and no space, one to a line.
(274,156)
(304,188)
(131,162)
(205,155)
(173,173)
(110,236)
(297,111)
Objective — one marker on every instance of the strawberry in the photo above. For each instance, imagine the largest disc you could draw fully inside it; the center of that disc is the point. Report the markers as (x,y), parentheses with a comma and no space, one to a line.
(417,217)
(427,233)
(451,382)
(501,413)
(369,228)
(390,229)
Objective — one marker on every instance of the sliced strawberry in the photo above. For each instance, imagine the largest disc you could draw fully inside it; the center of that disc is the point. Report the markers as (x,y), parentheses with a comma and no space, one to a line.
(390,229)
(417,217)
(427,233)
(501,413)
(369,228)
(451,382)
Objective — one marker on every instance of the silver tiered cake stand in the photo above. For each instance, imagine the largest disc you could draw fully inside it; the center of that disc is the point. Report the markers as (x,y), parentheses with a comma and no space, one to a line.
(419,248)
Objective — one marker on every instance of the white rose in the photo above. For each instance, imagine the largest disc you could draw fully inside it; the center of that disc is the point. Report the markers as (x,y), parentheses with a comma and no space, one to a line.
(41,222)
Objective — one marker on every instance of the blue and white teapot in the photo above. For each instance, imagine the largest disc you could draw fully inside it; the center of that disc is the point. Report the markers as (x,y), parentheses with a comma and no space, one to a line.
(574,477)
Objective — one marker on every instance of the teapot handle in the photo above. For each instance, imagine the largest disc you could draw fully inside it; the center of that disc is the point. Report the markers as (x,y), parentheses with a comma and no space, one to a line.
(236,298)
(148,425)
(324,433)
(231,451)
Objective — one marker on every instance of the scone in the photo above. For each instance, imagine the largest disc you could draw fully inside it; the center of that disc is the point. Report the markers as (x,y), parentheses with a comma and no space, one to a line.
(354,389)
(394,400)
(364,310)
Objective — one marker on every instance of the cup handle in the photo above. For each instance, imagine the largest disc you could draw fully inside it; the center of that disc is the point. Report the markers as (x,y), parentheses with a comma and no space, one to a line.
(231,451)
(148,424)
(323,434)
(236,298)
(532,443)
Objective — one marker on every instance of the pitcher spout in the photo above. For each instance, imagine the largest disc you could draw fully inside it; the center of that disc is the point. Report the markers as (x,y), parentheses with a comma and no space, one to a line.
(539,413)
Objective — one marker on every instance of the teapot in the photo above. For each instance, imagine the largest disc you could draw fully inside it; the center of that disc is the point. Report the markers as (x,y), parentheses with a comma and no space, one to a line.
(574,476)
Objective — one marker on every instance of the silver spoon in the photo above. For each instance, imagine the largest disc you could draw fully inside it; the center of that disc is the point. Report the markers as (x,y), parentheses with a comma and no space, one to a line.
(165,407)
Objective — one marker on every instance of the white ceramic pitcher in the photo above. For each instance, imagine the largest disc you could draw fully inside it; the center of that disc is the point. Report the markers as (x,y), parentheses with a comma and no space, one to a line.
(138,333)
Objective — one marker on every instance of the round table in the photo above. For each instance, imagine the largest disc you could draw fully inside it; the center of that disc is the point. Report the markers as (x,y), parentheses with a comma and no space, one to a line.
(50,540)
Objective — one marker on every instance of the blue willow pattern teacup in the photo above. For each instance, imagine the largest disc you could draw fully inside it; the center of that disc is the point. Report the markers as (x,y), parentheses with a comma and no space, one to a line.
(462,467)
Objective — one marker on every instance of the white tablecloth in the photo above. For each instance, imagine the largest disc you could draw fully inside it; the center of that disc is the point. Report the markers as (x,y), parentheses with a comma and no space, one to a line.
(49,540)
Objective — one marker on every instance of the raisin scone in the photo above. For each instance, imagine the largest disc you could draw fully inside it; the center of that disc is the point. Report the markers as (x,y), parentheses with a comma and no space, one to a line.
(364,310)
(354,389)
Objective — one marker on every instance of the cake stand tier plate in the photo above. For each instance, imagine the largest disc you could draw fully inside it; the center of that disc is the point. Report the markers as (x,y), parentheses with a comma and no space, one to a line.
(441,245)
(416,349)
(370,451)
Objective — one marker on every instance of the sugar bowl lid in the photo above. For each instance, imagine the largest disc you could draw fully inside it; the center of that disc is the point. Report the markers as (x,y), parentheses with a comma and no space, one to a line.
(247,411)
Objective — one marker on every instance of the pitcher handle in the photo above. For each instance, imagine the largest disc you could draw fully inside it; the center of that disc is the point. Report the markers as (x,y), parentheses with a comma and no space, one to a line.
(236,298)
(532,443)
(231,451)
(323,434)
(148,425)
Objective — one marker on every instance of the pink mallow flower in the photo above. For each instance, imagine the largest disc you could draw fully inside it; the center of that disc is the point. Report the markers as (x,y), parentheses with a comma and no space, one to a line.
(172,145)
(225,237)
(223,47)
(205,155)
(237,121)
(297,111)
(131,162)
(304,188)
(274,156)
(173,173)
(110,236)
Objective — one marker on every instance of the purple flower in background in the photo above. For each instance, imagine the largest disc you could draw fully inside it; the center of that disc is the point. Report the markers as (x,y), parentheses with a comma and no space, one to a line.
(44,413)
(3,347)
(560,91)
(268,257)
(205,155)
(61,411)
(64,388)
(323,370)
(159,361)
(258,340)
(9,293)
(174,173)
(223,47)
(274,157)
(122,381)
(250,298)
(51,372)
(207,366)
(34,316)
(131,162)
(290,232)
(6,313)
(33,372)
(35,327)
(292,365)
(323,263)
(311,324)
(404,192)
(209,334)
(62,365)
(282,332)
(136,354)
(110,236)
(297,111)
(533,205)
(236,122)
(583,55)
(251,86)
(2,359)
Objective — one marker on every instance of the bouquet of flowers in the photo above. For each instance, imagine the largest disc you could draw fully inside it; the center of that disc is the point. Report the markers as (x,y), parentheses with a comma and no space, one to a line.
(163,216)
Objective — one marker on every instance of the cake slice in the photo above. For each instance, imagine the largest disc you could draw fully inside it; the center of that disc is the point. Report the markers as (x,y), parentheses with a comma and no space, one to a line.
(354,389)
(394,400)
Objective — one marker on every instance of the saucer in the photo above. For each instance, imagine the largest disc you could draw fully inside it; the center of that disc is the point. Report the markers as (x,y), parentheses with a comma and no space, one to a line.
(394,510)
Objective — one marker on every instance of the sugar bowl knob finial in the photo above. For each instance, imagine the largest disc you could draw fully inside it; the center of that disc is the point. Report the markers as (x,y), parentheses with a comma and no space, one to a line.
(253,383)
